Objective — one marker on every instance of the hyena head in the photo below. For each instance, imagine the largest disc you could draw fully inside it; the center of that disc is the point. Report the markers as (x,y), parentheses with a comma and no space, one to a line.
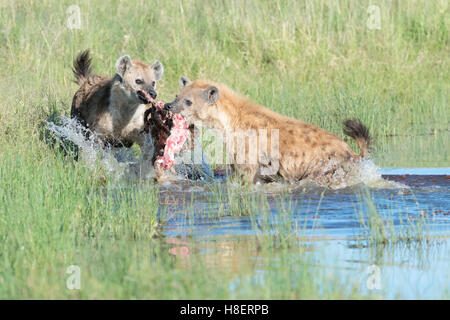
(138,79)
(196,101)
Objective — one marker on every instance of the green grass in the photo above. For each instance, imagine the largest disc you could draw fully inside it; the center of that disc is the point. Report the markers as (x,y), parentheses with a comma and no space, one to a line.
(313,60)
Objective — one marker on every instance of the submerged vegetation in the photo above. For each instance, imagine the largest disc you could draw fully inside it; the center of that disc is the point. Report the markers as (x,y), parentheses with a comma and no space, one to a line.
(313,60)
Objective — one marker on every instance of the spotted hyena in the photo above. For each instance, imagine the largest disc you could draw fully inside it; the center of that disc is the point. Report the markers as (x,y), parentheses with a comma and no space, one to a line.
(275,146)
(113,108)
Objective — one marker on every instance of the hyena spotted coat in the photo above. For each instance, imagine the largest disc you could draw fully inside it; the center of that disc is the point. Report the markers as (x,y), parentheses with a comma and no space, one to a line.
(303,151)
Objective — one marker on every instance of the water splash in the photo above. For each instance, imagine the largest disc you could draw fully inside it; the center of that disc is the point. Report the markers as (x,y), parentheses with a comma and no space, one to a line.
(370,174)
(122,162)
(116,161)
(363,173)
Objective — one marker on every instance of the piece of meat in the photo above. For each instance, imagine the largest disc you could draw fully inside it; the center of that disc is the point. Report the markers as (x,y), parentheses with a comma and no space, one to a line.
(169,133)
(179,133)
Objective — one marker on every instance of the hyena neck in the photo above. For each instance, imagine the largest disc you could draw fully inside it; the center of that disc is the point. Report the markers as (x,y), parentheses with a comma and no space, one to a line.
(122,101)
(232,113)
(223,118)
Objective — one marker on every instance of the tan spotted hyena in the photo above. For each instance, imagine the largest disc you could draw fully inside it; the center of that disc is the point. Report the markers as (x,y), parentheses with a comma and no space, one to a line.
(294,149)
(113,108)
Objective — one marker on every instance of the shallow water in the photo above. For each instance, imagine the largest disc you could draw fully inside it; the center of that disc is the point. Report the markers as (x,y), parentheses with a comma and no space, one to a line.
(333,224)
(318,212)
(347,230)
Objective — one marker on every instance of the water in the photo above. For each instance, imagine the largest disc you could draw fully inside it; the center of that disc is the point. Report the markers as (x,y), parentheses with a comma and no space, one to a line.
(407,247)
(329,223)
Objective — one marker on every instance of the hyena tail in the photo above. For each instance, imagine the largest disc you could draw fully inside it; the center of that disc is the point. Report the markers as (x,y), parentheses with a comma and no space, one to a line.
(357,130)
(82,67)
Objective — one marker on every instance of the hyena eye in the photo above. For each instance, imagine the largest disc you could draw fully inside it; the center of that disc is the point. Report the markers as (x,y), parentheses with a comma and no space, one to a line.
(139,81)
(188,102)
(153,84)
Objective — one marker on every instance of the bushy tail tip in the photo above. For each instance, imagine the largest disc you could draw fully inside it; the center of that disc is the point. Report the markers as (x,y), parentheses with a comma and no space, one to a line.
(82,67)
(357,130)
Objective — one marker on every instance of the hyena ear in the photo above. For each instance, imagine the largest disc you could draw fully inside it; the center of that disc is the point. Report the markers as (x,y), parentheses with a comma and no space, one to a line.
(123,65)
(184,82)
(211,95)
(158,69)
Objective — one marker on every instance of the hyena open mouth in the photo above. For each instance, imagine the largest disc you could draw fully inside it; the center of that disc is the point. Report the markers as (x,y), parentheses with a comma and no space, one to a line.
(145,97)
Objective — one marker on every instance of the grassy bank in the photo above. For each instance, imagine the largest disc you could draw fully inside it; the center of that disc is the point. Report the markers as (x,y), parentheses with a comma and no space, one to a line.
(313,60)
(316,61)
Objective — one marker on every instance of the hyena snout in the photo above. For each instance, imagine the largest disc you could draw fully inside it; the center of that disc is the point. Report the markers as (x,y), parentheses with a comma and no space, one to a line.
(151,91)
(174,107)
(147,94)
(170,106)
